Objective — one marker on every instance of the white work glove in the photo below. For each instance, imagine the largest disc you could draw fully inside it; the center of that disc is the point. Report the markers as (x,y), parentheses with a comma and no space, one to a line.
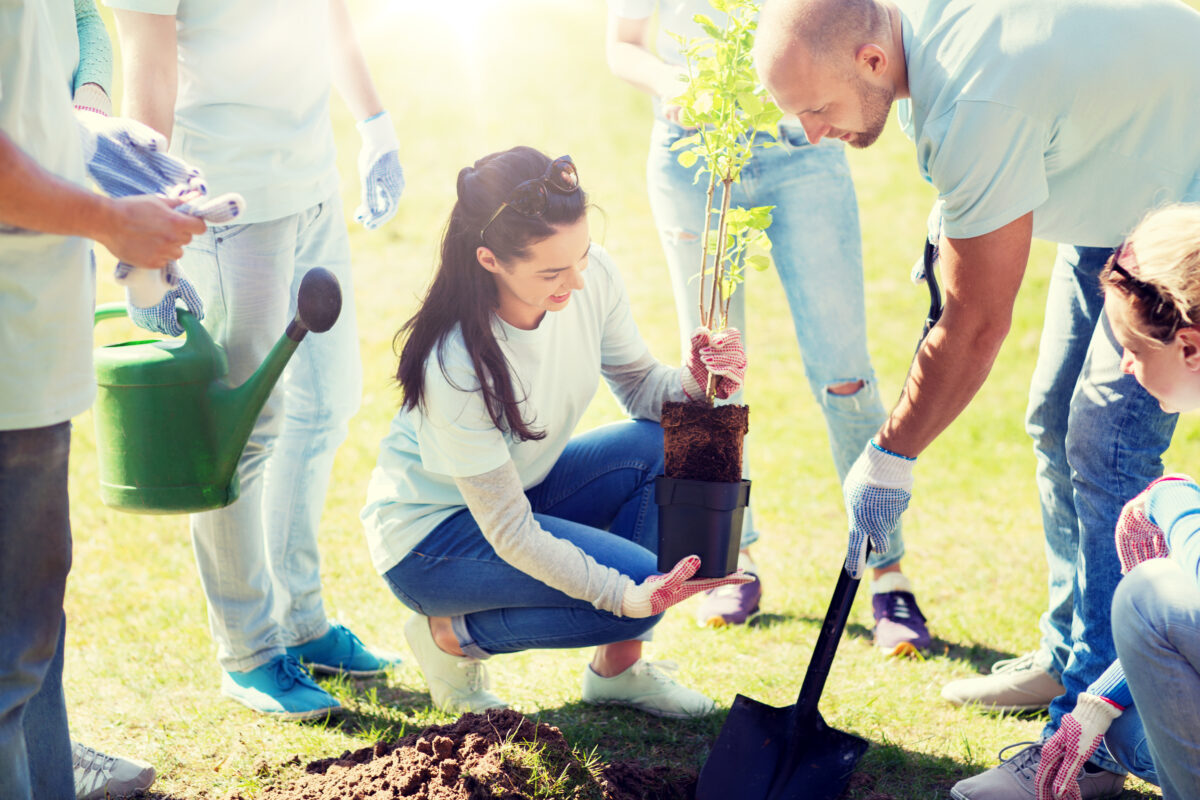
(876,490)
(151,294)
(380,171)
(126,158)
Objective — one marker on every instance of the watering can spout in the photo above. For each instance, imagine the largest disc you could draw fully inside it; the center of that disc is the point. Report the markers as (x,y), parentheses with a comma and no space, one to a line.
(169,431)
(236,410)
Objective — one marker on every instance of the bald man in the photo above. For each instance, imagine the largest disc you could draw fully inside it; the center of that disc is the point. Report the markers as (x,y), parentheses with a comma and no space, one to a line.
(1062,119)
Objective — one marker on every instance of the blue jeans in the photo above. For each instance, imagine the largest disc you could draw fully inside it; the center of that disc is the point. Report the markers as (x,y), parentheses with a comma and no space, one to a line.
(817,250)
(35,557)
(1156,625)
(258,557)
(1099,437)
(599,496)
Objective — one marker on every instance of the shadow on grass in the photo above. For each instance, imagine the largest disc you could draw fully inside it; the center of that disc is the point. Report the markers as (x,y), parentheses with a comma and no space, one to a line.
(766,621)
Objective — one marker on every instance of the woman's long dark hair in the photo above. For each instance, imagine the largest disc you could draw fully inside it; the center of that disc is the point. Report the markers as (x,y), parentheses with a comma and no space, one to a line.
(464,294)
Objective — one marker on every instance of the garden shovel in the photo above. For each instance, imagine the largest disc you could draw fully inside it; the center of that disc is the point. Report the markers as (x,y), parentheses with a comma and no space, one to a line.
(768,753)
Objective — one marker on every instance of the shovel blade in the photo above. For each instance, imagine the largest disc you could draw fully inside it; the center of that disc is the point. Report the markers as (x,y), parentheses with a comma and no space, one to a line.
(766,753)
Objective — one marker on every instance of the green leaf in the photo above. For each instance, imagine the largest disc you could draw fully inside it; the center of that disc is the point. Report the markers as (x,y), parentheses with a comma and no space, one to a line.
(760,263)
(688,159)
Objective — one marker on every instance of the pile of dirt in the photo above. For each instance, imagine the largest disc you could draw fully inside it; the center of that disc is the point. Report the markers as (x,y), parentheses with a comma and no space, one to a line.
(498,754)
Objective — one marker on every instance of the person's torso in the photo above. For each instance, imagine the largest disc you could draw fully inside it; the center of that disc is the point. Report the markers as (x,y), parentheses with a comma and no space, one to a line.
(1099,82)
(47,282)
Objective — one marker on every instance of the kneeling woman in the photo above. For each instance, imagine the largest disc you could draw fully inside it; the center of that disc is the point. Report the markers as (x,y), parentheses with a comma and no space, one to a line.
(484,514)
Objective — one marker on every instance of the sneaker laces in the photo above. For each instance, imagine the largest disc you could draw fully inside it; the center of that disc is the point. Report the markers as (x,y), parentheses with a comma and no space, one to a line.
(288,671)
(92,768)
(655,669)
(476,673)
(351,637)
(1018,664)
(899,607)
(1025,763)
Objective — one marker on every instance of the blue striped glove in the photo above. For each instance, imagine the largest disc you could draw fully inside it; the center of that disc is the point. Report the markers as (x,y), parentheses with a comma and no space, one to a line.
(125,158)
(161,318)
(379,168)
(877,490)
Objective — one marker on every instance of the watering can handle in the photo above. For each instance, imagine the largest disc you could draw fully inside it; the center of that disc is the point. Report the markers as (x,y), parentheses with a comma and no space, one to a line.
(113,310)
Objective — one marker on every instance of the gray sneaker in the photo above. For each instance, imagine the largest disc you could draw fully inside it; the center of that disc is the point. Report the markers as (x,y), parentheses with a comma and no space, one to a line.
(457,684)
(1014,779)
(647,687)
(1015,684)
(98,776)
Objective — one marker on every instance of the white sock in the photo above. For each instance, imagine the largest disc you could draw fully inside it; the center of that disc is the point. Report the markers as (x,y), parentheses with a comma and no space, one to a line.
(891,582)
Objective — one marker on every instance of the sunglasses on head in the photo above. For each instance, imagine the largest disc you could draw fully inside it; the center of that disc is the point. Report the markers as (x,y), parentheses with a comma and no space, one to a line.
(1160,311)
(531,198)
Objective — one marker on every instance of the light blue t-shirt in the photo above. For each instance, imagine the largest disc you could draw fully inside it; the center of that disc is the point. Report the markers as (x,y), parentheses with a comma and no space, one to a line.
(252,109)
(556,368)
(47,283)
(1077,110)
(674,16)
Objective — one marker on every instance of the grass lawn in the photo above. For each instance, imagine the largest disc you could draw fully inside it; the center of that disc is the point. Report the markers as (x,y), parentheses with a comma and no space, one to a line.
(464,78)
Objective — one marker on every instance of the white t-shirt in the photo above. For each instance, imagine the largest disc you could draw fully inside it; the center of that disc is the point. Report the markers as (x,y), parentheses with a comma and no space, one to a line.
(1076,110)
(253,105)
(47,283)
(674,16)
(556,368)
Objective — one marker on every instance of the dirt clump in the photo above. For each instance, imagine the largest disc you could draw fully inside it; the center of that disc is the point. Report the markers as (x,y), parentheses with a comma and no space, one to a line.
(497,754)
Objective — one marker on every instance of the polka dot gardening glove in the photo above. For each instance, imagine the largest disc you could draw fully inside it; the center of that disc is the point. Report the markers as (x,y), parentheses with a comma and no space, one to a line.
(380,171)
(659,592)
(876,490)
(720,354)
(1139,539)
(1064,754)
(126,158)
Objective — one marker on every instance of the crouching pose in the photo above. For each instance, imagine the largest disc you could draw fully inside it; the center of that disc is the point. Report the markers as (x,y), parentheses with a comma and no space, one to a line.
(1147,705)
(484,514)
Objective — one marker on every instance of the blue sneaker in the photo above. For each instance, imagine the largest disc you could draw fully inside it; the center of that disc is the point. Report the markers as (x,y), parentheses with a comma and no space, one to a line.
(280,688)
(340,652)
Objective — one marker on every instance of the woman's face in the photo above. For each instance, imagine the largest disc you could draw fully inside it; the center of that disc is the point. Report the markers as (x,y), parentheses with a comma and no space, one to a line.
(1169,371)
(545,279)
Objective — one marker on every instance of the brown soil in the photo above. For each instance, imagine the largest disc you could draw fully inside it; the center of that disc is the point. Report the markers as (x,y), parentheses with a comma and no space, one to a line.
(479,757)
(704,443)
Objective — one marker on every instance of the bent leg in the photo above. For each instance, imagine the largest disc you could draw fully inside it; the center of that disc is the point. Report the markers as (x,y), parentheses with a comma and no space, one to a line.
(1156,626)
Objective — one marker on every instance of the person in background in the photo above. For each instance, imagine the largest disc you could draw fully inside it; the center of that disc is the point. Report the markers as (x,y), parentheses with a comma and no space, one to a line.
(47,294)
(1077,160)
(1146,706)
(187,65)
(485,515)
(817,251)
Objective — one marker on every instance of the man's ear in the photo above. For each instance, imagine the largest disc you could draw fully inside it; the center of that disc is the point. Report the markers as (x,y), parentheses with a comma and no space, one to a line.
(1189,340)
(872,60)
(487,259)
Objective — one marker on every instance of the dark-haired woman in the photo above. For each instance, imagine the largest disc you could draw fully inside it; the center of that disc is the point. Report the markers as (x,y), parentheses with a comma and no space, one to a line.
(484,514)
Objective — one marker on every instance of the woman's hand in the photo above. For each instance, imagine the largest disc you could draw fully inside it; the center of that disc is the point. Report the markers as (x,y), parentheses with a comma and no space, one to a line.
(1139,539)
(659,592)
(720,354)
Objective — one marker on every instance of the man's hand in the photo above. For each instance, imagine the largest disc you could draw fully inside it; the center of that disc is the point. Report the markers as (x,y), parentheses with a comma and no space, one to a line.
(1139,539)
(1064,754)
(877,489)
(146,231)
(659,592)
(161,318)
(380,171)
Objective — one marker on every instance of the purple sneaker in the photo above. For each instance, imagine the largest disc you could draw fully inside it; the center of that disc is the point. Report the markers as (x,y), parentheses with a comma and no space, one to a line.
(899,624)
(730,605)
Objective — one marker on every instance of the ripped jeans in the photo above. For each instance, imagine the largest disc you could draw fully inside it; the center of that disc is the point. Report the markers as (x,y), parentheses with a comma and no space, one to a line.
(817,252)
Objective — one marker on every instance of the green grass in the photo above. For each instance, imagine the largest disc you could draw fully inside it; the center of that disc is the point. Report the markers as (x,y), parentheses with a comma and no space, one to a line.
(141,673)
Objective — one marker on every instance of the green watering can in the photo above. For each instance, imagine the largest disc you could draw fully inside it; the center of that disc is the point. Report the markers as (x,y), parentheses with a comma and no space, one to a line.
(169,431)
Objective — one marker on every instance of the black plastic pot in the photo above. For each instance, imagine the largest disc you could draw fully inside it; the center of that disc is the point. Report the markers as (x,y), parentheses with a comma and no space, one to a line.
(702,518)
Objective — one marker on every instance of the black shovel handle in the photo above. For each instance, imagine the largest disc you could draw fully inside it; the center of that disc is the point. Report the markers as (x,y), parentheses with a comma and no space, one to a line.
(827,644)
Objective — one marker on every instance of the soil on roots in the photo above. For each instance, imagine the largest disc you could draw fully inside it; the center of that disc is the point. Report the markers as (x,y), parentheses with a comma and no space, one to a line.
(497,754)
(702,442)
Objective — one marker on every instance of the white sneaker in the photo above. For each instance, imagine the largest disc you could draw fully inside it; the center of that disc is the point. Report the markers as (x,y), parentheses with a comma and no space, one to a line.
(98,776)
(457,684)
(647,687)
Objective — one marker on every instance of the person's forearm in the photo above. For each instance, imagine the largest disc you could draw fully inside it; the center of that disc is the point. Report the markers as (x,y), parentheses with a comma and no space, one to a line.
(351,77)
(947,373)
(630,59)
(95,48)
(150,68)
(36,200)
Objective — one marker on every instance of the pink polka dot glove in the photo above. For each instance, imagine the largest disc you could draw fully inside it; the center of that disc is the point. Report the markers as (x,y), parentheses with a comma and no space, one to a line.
(659,592)
(1139,539)
(720,354)
(1064,754)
